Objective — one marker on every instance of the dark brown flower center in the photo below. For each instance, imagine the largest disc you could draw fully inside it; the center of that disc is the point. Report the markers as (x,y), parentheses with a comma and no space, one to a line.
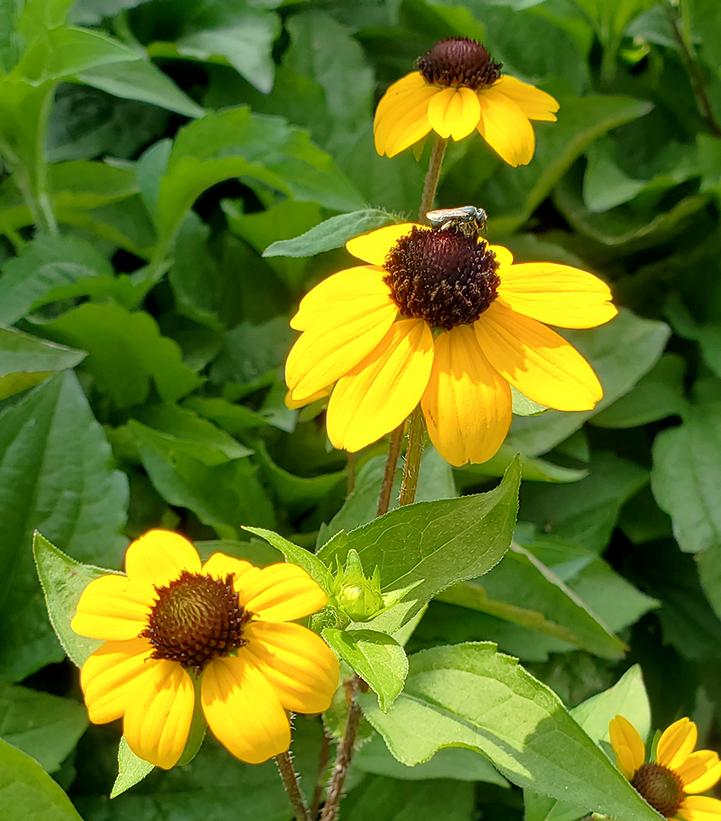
(459,61)
(195,619)
(661,787)
(443,276)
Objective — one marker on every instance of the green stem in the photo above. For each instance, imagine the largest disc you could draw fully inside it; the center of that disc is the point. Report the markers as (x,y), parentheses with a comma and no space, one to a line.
(412,464)
(394,451)
(433,176)
(289,777)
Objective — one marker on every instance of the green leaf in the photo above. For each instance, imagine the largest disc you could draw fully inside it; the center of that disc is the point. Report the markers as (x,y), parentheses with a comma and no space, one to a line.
(378,797)
(423,548)
(534,469)
(452,698)
(56,476)
(131,769)
(606,349)
(44,726)
(376,657)
(28,791)
(26,360)
(313,566)
(63,581)
(522,590)
(329,234)
(126,352)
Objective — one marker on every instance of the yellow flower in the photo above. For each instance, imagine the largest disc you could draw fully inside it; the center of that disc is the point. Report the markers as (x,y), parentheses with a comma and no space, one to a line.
(444,319)
(456,90)
(176,629)
(671,781)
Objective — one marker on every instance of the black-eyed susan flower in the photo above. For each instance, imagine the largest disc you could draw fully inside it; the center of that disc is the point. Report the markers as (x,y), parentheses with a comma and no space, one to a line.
(672,780)
(444,319)
(459,89)
(176,630)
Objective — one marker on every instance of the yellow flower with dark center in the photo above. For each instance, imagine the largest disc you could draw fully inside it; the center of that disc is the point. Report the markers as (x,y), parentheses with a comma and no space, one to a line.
(176,630)
(671,782)
(459,89)
(444,319)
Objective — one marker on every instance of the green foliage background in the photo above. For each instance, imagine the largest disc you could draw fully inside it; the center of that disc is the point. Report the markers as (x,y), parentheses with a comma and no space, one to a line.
(151,150)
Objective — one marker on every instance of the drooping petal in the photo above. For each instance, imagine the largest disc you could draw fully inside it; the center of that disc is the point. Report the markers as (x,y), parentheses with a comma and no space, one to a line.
(159,556)
(535,104)
(158,716)
(342,296)
(323,355)
(676,743)
(538,361)
(627,745)
(280,592)
(557,294)
(700,808)
(381,390)
(113,608)
(109,675)
(219,566)
(700,771)
(295,404)
(243,710)
(298,663)
(373,246)
(467,405)
(506,128)
(401,118)
(454,112)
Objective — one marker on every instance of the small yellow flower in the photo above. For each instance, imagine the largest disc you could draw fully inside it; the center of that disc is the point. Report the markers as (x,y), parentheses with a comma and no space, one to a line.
(173,623)
(444,319)
(457,89)
(672,781)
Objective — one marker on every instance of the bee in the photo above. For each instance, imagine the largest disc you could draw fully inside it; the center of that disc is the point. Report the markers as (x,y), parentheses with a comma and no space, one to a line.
(466,219)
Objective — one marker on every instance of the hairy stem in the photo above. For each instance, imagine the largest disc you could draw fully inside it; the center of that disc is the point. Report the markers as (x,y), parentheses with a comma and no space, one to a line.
(394,451)
(433,176)
(289,777)
(323,759)
(412,464)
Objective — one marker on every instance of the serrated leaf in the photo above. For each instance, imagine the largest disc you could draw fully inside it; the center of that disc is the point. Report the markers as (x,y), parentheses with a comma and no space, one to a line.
(312,565)
(131,769)
(469,695)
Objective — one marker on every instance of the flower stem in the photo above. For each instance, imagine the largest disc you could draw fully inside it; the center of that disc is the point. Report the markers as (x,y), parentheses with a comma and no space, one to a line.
(394,451)
(412,464)
(433,176)
(323,759)
(288,774)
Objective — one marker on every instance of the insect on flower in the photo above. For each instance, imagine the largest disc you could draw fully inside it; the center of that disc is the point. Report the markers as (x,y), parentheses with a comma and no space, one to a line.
(467,219)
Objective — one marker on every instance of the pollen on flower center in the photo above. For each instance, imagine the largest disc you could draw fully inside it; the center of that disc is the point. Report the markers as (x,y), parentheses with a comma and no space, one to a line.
(444,277)
(195,619)
(459,61)
(661,787)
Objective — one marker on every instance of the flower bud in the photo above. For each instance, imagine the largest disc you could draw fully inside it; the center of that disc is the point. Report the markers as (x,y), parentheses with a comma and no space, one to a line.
(357,595)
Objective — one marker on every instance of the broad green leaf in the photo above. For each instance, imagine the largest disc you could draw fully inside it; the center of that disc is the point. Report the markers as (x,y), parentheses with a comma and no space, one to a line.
(42,725)
(376,657)
(131,769)
(28,791)
(252,351)
(90,12)
(452,698)
(523,590)
(126,353)
(43,272)
(423,548)
(63,581)
(313,566)
(56,476)
(606,349)
(379,797)
(236,419)
(534,469)
(329,234)
(26,360)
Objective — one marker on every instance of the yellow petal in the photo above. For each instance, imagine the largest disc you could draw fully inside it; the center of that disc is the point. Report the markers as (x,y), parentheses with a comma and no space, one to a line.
(109,675)
(219,566)
(557,294)
(373,246)
(700,771)
(158,716)
(280,592)
(503,256)
(506,128)
(535,104)
(299,665)
(113,608)
(676,743)
(323,355)
(381,390)
(454,112)
(160,556)
(243,710)
(467,405)
(295,404)
(627,745)
(538,361)
(348,293)
(402,120)
(700,808)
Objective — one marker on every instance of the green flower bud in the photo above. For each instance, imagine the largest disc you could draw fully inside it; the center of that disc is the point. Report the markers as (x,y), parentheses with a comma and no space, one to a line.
(358,596)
